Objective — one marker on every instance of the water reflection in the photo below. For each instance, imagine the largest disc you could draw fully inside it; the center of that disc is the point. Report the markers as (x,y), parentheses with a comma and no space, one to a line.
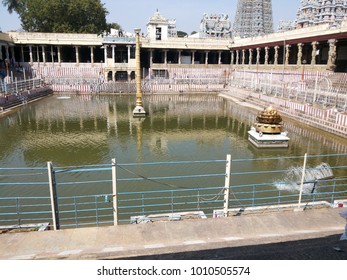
(93,129)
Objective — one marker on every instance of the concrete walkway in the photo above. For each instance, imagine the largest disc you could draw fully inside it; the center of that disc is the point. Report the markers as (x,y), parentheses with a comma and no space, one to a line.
(155,239)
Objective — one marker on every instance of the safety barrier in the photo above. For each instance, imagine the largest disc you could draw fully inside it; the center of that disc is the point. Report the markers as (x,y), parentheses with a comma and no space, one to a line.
(118,193)
(322,89)
(17,86)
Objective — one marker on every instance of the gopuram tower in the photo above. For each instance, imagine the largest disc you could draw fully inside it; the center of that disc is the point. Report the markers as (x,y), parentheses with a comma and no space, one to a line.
(253,18)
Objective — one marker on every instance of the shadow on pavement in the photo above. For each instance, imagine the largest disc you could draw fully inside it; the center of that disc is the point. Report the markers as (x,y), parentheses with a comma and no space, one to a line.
(327,248)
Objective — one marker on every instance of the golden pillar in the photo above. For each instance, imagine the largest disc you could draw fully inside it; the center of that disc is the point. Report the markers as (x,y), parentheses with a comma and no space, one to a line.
(139,111)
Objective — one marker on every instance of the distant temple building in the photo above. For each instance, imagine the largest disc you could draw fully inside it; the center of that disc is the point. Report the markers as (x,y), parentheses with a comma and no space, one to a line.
(213,26)
(313,12)
(159,28)
(253,18)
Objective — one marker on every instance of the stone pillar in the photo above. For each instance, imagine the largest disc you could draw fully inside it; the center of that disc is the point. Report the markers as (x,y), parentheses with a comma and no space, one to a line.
(52,54)
(92,55)
(266,55)
(287,54)
(299,61)
(113,54)
(332,54)
(77,55)
(243,57)
(206,58)
(237,57)
(129,47)
(276,55)
(43,55)
(150,58)
(38,54)
(250,56)
(232,57)
(179,57)
(59,55)
(31,54)
(165,57)
(314,52)
(219,58)
(258,56)
(105,54)
(193,57)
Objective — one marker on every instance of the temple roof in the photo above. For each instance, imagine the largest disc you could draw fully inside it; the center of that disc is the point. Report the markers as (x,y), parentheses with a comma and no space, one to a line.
(157,18)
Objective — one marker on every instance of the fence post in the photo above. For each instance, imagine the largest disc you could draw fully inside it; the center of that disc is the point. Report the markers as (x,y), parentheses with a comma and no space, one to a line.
(302,180)
(53,195)
(114,192)
(227,186)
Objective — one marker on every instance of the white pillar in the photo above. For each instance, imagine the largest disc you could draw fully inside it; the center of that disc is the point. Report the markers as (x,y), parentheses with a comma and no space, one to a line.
(276,55)
(114,192)
(52,55)
(258,56)
(219,57)
(43,55)
(206,58)
(37,54)
(113,54)
(165,57)
(59,55)
(299,61)
(302,180)
(314,52)
(287,54)
(266,55)
(179,57)
(105,54)
(129,47)
(92,55)
(77,55)
(150,58)
(31,54)
(227,185)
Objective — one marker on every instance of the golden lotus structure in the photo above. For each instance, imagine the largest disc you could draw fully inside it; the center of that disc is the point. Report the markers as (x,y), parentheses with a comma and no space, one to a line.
(269,121)
(267,130)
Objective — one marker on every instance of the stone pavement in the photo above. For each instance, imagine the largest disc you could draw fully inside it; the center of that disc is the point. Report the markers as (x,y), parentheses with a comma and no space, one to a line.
(264,236)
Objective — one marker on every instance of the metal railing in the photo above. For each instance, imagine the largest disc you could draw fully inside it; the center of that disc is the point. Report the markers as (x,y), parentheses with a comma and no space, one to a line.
(326,90)
(16,86)
(83,196)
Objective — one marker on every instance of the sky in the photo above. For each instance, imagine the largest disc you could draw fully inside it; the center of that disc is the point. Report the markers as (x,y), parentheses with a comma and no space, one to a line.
(132,14)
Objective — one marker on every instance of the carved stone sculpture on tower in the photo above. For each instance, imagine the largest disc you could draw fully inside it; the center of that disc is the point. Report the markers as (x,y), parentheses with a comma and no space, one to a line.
(253,18)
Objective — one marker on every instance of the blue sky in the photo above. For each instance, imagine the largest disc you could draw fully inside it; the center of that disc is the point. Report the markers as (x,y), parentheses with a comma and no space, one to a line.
(188,13)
